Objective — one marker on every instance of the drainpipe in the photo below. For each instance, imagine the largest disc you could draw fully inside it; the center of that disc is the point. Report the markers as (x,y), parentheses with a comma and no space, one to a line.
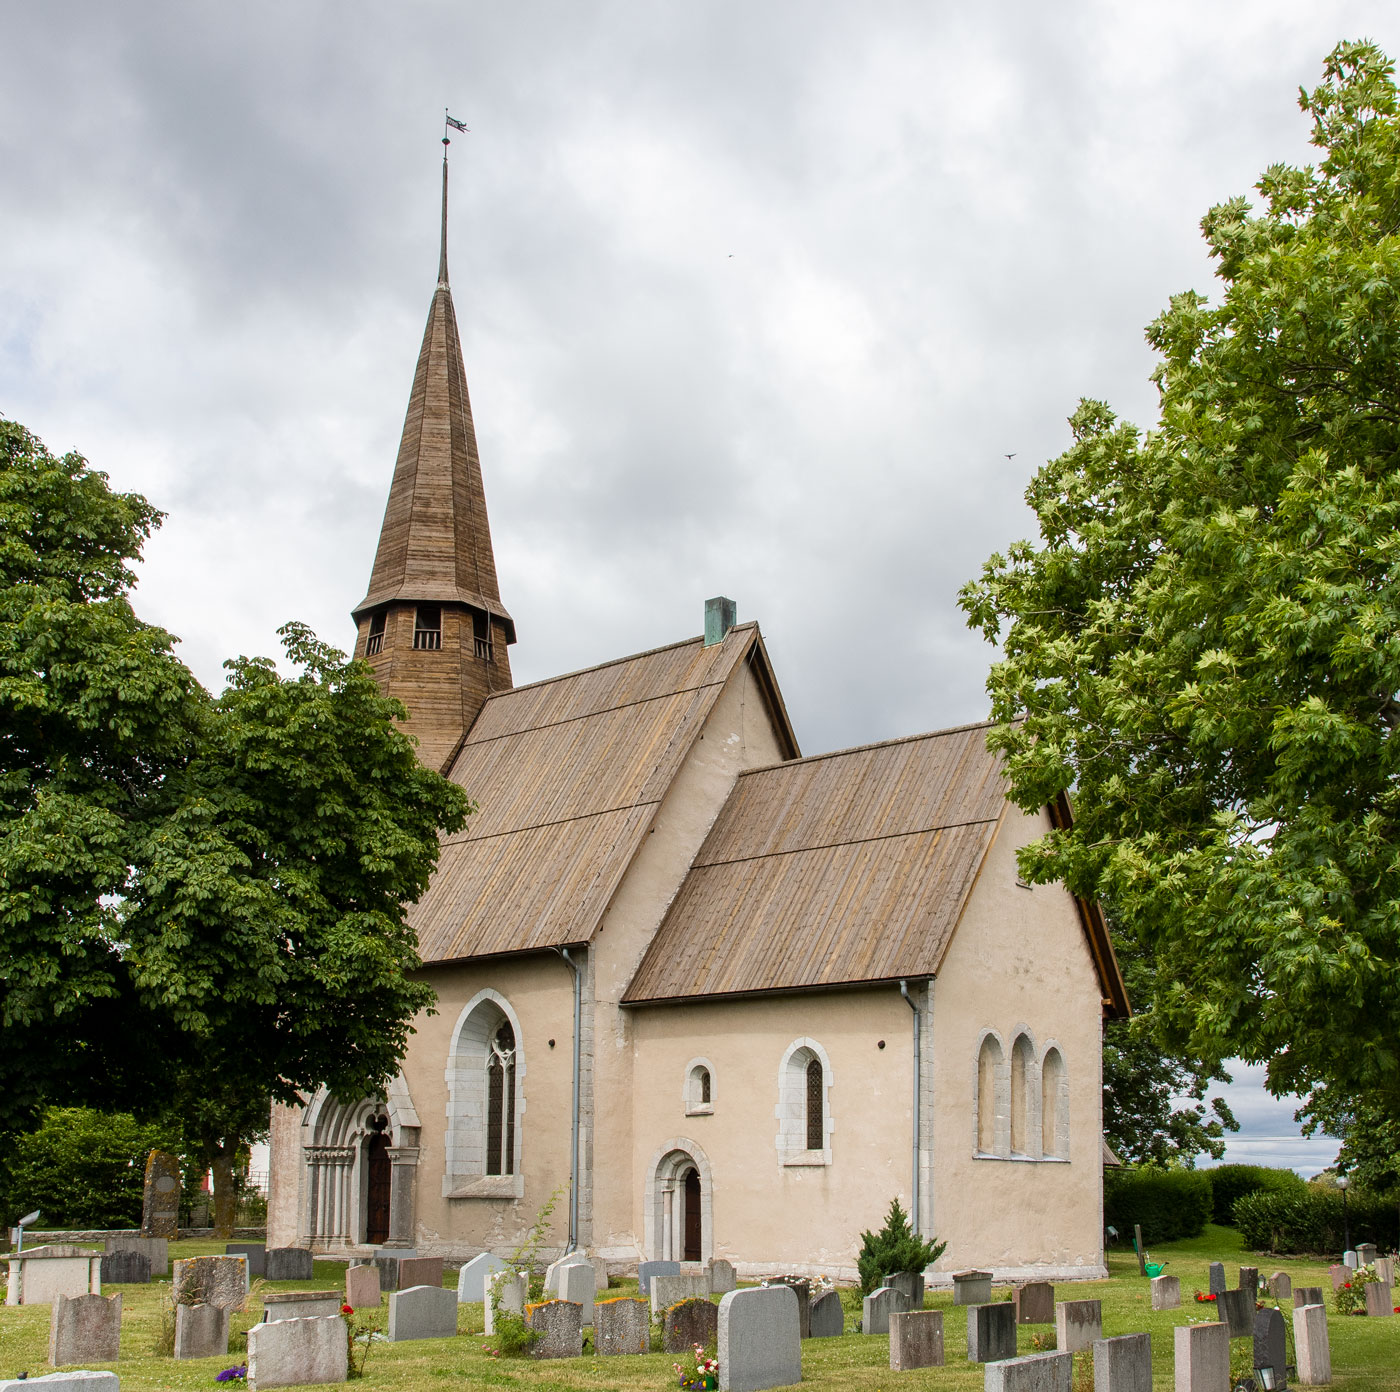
(573,1142)
(918,1041)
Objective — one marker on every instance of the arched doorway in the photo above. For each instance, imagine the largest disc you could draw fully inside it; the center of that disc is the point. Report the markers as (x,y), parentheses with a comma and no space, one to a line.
(691,1201)
(379,1171)
(680,1204)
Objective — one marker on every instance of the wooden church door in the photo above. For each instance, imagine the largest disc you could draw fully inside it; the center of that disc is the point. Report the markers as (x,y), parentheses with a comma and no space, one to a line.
(692,1216)
(380,1172)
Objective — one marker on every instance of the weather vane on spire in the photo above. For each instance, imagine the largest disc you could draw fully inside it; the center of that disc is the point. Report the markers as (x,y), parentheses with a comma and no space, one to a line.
(452,124)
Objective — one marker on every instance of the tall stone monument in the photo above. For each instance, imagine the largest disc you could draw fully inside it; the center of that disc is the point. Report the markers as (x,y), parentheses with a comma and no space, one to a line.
(160,1205)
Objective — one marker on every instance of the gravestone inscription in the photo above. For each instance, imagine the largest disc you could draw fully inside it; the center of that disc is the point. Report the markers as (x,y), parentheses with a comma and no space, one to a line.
(160,1196)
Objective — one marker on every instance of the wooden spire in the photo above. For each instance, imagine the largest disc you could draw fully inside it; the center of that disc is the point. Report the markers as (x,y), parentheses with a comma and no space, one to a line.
(435,564)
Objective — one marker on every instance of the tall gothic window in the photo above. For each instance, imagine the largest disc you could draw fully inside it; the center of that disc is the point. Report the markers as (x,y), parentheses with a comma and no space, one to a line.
(816,1134)
(500,1102)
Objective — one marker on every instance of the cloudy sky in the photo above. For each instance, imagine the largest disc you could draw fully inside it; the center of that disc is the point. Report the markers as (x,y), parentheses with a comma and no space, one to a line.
(756,298)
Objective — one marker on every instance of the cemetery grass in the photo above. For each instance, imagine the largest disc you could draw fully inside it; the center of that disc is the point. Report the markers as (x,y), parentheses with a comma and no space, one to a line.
(1365,1353)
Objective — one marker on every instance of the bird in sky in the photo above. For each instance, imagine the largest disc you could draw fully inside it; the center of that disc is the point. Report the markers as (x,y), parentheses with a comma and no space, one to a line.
(1012,455)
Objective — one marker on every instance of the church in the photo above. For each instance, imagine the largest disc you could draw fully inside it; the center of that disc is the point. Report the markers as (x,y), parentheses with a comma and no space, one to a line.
(720,997)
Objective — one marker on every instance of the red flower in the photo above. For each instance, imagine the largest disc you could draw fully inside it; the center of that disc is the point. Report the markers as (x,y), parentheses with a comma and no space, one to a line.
(347,1309)
(1346,1285)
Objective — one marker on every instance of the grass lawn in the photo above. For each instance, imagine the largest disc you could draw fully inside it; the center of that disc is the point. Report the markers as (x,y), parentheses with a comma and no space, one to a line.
(1365,1353)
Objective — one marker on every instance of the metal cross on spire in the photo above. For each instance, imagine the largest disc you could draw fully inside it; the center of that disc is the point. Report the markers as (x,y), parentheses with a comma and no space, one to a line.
(451,124)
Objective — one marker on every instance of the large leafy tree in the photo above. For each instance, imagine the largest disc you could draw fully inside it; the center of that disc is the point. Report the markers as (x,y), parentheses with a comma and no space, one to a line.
(1204,644)
(202,899)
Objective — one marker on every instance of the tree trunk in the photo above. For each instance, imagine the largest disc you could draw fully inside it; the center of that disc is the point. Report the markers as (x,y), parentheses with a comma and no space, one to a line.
(225,1197)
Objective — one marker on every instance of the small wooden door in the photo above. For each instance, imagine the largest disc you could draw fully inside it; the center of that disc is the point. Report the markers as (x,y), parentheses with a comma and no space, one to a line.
(380,1170)
(692,1216)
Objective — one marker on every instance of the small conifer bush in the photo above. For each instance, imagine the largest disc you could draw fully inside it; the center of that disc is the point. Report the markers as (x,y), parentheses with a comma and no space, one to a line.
(896,1247)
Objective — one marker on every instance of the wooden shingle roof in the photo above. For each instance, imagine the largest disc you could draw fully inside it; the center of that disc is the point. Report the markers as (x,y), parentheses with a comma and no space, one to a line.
(567,775)
(835,870)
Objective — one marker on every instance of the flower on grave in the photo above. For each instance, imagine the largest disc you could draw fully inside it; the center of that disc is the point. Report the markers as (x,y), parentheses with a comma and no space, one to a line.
(232,1374)
(1346,1285)
(347,1309)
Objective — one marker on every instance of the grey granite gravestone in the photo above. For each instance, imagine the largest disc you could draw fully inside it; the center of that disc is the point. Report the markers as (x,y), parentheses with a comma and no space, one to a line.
(221,1281)
(1311,1345)
(160,1196)
(689,1323)
(1036,1372)
(578,1284)
(877,1307)
(826,1319)
(1366,1253)
(1202,1357)
(510,1290)
(1077,1324)
(1351,1259)
(422,1312)
(558,1321)
(85,1329)
(1385,1269)
(1123,1363)
(471,1279)
(420,1271)
(156,1248)
(646,1270)
(551,1272)
(1271,1344)
(362,1291)
(1217,1278)
(916,1339)
(288,1264)
(667,1290)
(972,1287)
(1281,1286)
(1034,1302)
(1249,1280)
(256,1252)
(802,1287)
(1378,1299)
(292,1353)
(82,1380)
(1166,1292)
(1236,1308)
(201,1331)
(126,1269)
(301,1304)
(911,1283)
(991,1332)
(1306,1295)
(759,1341)
(621,1326)
(1340,1275)
(722,1277)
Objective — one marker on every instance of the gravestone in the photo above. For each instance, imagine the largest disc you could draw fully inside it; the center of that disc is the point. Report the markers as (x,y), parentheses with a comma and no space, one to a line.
(160,1197)
(39,1274)
(1271,1344)
(156,1248)
(1202,1353)
(1312,1349)
(578,1284)
(877,1307)
(81,1381)
(1351,1259)
(972,1287)
(759,1342)
(1281,1286)
(420,1271)
(1236,1308)
(509,1287)
(646,1270)
(802,1288)
(826,1319)
(471,1279)
(911,1283)
(126,1269)
(362,1288)
(1217,1278)
(388,1268)
(1385,1269)
(1249,1280)
(1036,1372)
(551,1272)
(1034,1302)
(1166,1293)
(916,1339)
(221,1281)
(1123,1363)
(422,1312)
(292,1353)
(1077,1324)
(689,1323)
(289,1264)
(256,1252)
(1378,1299)
(1340,1275)
(667,1290)
(1366,1253)
(85,1329)
(558,1321)
(1306,1295)
(622,1326)
(301,1304)
(201,1331)
(991,1332)
(722,1277)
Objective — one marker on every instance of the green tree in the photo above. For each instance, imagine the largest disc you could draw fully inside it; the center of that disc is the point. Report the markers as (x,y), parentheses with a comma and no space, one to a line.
(1203,643)
(896,1247)
(202,899)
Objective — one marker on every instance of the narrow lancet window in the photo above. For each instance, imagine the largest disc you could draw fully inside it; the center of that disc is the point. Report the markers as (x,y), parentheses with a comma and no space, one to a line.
(816,1132)
(500,1103)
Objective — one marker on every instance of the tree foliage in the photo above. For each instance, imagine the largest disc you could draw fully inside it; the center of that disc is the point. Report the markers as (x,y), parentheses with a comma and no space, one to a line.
(896,1247)
(1205,642)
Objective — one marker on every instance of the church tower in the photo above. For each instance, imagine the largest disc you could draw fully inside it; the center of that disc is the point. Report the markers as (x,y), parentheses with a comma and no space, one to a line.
(432,624)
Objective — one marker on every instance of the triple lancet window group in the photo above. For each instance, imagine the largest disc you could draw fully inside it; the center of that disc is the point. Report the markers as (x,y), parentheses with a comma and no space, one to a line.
(1022,1110)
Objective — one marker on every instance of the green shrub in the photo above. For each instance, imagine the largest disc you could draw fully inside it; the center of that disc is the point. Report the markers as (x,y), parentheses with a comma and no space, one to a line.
(894,1248)
(1168,1204)
(1311,1221)
(1231,1182)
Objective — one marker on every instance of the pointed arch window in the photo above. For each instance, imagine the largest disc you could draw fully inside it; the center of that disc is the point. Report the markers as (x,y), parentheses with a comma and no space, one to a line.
(500,1102)
(486,1086)
(991,1108)
(1024,1132)
(816,1133)
(1054,1107)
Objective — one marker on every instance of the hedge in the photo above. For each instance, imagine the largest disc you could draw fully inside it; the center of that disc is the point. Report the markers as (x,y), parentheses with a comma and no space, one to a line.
(1167,1204)
(1311,1222)
(1231,1182)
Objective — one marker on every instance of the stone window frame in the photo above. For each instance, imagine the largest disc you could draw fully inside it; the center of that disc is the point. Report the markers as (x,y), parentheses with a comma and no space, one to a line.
(464,1141)
(991,1096)
(791,1110)
(1023,1100)
(690,1088)
(1057,1116)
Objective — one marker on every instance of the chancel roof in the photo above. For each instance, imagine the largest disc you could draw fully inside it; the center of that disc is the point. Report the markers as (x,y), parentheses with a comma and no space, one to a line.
(567,775)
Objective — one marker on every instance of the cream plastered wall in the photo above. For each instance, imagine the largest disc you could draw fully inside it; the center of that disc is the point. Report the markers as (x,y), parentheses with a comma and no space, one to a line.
(766,1216)
(1018,961)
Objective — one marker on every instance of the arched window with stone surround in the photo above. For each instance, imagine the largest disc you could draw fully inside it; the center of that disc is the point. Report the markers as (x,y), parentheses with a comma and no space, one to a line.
(699,1091)
(804,1105)
(500,1102)
(1024,1134)
(485,1102)
(1054,1106)
(991,1107)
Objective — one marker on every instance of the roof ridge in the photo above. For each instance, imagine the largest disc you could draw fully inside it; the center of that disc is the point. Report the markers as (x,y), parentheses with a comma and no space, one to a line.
(861,748)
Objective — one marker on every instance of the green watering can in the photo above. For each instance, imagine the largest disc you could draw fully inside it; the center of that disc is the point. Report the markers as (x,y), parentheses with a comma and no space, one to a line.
(1154,1268)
